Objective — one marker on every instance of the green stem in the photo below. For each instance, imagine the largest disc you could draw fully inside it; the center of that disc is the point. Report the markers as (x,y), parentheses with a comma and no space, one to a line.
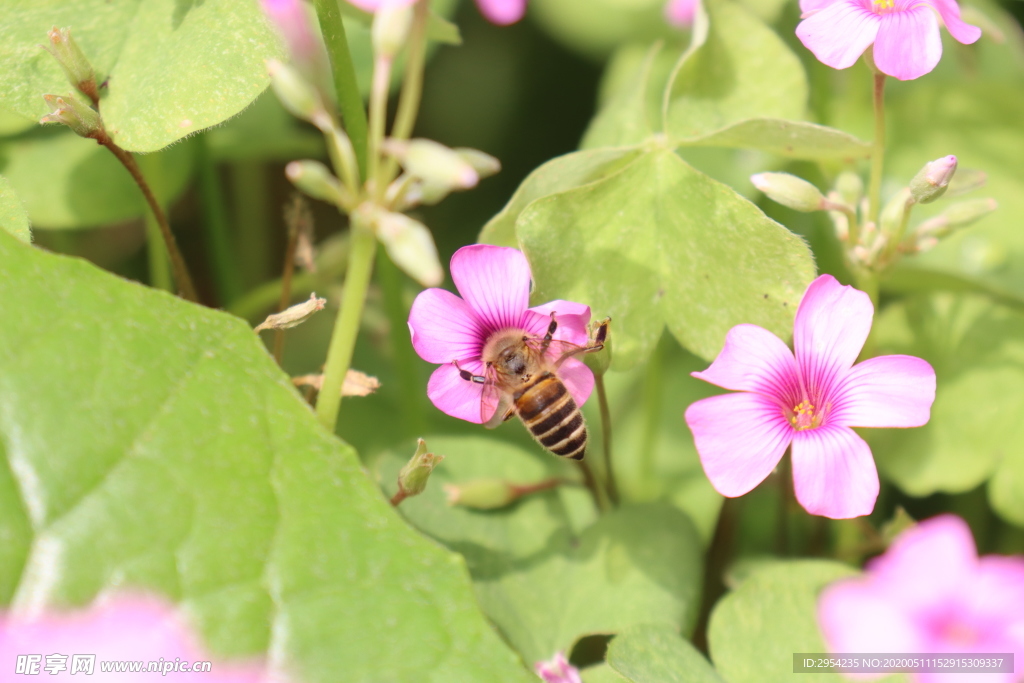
(249,191)
(785,493)
(412,84)
(390,281)
(590,481)
(878,152)
(346,327)
(156,252)
(606,438)
(378,112)
(226,275)
(350,101)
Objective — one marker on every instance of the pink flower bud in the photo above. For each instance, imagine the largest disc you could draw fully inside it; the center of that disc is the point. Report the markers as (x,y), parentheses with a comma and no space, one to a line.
(558,670)
(681,12)
(931,182)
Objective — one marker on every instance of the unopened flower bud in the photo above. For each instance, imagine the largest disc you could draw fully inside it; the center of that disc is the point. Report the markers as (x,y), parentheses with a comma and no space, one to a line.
(391,25)
(481,494)
(788,190)
(317,181)
(73,62)
(557,670)
(411,247)
(73,113)
(931,181)
(295,93)
(295,315)
(434,163)
(850,187)
(484,164)
(412,478)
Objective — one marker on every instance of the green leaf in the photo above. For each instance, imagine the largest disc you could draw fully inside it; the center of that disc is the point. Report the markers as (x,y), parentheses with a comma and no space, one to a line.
(626,118)
(652,653)
(597,27)
(545,572)
(649,246)
(265,131)
(442,30)
(172,66)
(561,173)
(741,71)
(602,673)
(755,630)
(12,123)
(792,139)
(70,182)
(145,441)
(975,346)
(13,217)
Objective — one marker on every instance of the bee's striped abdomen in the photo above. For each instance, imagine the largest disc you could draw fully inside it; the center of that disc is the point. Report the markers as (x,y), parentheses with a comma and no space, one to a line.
(552,416)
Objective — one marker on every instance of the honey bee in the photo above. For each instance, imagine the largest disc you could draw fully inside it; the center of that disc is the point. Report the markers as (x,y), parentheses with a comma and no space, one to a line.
(521,378)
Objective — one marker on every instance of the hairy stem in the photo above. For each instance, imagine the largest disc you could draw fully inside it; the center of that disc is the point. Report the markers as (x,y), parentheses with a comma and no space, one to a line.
(350,100)
(412,84)
(346,326)
(606,438)
(878,151)
(181,275)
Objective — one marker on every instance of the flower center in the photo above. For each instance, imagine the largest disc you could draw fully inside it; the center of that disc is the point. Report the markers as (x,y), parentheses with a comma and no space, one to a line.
(803,416)
(883,6)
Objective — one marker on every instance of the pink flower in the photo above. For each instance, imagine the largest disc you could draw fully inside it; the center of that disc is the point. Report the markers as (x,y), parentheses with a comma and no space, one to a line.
(905,32)
(681,12)
(304,44)
(558,670)
(810,401)
(495,287)
(500,12)
(121,629)
(931,593)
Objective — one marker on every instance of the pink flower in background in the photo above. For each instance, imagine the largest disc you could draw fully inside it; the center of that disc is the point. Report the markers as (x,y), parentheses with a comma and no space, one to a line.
(290,19)
(905,33)
(558,670)
(681,12)
(931,593)
(124,628)
(809,401)
(495,287)
(500,12)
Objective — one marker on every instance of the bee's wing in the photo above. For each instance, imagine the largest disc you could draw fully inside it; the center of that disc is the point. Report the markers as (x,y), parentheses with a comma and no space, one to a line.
(557,352)
(494,403)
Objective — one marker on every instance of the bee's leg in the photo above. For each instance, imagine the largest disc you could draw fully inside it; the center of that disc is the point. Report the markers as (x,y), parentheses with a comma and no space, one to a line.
(469,376)
(552,326)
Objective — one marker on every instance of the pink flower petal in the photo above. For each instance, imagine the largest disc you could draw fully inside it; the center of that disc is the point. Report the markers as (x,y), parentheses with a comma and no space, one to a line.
(832,324)
(444,328)
(854,617)
(809,7)
(740,439)
(681,12)
(572,318)
(578,379)
(888,391)
(502,12)
(926,564)
(753,359)
(455,396)
(998,589)
(908,44)
(834,474)
(839,33)
(950,13)
(494,281)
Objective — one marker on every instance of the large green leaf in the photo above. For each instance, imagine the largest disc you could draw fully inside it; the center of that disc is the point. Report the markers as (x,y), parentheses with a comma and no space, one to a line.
(70,182)
(172,66)
(149,442)
(651,245)
(545,572)
(13,217)
(791,139)
(741,71)
(561,173)
(755,630)
(976,347)
(650,653)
